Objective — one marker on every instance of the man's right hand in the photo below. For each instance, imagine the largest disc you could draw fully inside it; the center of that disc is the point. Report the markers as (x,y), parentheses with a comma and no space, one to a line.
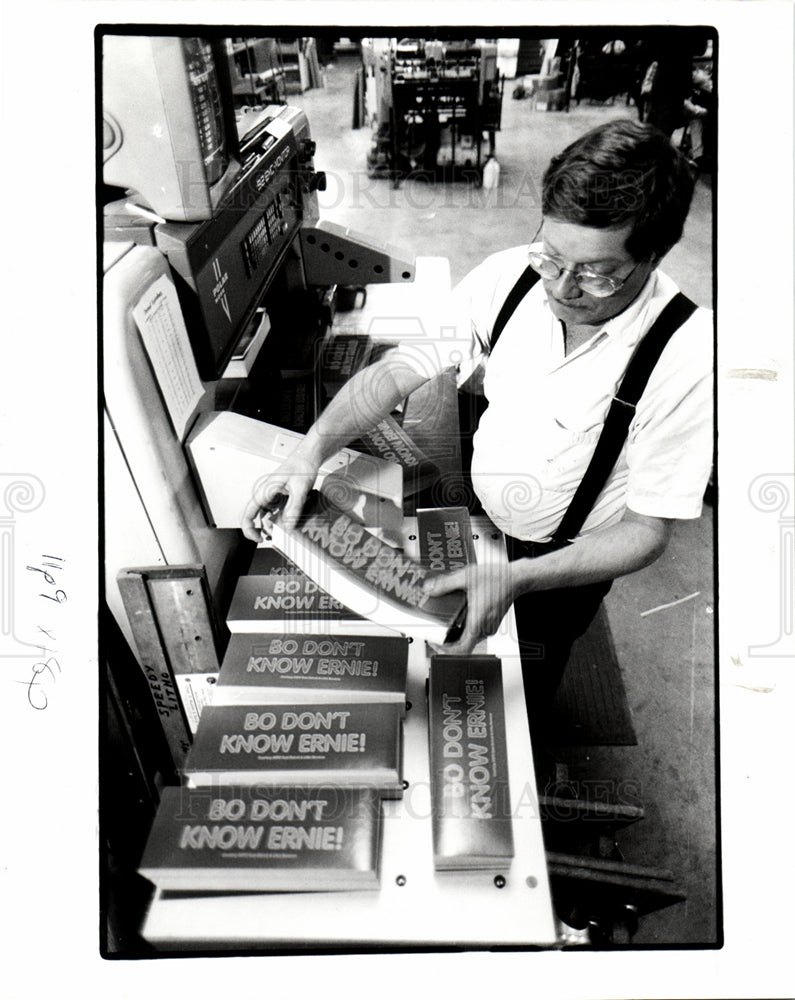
(363,401)
(295,477)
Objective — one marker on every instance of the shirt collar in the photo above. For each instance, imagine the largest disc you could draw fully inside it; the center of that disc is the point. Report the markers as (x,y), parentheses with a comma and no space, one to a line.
(628,325)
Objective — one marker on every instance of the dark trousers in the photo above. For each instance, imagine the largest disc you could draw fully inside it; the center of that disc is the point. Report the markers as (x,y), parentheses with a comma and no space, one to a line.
(547,624)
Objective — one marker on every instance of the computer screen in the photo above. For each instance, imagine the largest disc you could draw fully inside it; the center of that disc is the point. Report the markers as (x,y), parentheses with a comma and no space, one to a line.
(169,135)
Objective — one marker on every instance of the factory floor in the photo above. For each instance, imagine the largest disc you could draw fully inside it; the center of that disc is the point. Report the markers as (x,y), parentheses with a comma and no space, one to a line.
(662,619)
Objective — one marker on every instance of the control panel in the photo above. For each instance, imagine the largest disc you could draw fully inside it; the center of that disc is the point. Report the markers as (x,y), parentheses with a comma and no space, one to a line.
(223,266)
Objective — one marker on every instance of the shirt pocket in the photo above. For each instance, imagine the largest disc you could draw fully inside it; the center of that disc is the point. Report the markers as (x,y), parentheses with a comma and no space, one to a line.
(580,406)
(570,451)
(579,428)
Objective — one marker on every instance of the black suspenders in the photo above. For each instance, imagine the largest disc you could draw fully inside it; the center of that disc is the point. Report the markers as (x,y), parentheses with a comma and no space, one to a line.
(619,416)
(622,409)
(524,283)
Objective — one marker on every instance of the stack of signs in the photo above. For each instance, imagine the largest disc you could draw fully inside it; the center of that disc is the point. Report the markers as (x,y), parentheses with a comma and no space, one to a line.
(276,596)
(292,668)
(284,780)
(377,580)
(246,839)
(470,796)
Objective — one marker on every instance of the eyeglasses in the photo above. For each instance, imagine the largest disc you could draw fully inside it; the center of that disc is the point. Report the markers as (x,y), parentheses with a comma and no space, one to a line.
(599,285)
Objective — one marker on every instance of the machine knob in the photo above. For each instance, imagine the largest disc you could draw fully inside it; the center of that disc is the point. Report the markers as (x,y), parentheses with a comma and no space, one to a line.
(308,147)
(317,182)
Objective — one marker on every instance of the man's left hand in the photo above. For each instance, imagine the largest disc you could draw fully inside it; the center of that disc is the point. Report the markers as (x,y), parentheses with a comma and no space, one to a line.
(490,593)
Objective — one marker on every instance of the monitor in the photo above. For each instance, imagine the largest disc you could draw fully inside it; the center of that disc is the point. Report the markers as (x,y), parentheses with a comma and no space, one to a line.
(169,134)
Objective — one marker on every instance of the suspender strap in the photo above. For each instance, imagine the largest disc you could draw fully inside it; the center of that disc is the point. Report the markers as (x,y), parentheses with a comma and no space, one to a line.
(524,283)
(471,404)
(619,416)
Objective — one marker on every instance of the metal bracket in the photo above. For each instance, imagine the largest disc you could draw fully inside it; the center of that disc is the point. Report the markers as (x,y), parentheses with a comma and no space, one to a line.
(177,639)
(334,255)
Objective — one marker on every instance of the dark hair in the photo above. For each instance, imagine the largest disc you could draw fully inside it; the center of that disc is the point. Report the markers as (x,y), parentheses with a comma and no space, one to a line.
(623,171)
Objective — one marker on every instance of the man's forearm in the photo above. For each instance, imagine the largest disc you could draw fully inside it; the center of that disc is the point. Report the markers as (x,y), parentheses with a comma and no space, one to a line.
(358,407)
(630,545)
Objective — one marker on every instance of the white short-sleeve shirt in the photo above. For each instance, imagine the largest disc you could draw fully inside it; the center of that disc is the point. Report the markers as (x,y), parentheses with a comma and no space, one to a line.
(546,410)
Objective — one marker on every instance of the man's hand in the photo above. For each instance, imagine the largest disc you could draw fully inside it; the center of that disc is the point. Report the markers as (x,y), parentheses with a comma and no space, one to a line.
(490,593)
(295,477)
(635,542)
(363,401)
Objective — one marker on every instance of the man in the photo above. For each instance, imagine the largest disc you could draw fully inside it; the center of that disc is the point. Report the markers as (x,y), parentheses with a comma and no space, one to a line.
(614,203)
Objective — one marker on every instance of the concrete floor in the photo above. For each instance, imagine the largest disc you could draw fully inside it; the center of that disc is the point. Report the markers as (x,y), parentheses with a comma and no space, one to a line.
(667,656)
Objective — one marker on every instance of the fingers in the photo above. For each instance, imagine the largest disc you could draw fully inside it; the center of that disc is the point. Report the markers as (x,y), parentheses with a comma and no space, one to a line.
(250,530)
(488,598)
(475,631)
(471,634)
(262,495)
(458,648)
(445,583)
(294,486)
(296,497)
(247,525)
(462,646)
(478,626)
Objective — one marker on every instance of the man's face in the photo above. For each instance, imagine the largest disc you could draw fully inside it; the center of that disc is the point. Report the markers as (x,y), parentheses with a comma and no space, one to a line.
(602,251)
